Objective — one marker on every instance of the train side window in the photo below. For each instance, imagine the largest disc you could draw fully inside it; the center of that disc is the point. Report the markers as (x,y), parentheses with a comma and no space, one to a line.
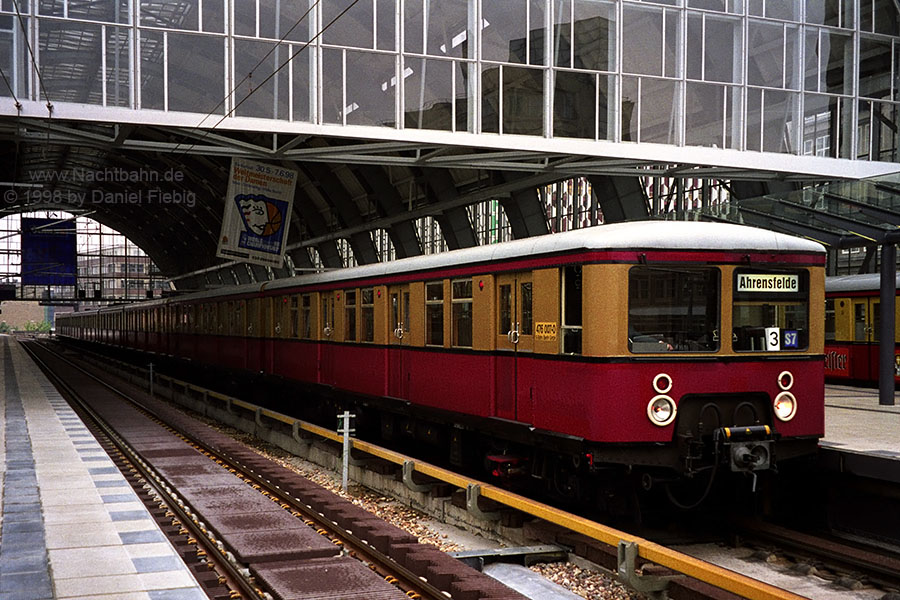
(505,309)
(571,308)
(830,321)
(462,313)
(295,317)
(525,300)
(350,316)
(307,318)
(434,313)
(367,315)
(328,314)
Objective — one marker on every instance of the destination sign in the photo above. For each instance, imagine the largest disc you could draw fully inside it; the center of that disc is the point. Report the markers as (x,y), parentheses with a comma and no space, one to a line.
(758,282)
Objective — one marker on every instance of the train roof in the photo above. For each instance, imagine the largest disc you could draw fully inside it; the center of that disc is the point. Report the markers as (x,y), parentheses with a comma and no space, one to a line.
(633,235)
(865,282)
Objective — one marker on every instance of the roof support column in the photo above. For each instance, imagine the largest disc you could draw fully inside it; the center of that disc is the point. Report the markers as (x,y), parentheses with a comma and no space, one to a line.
(886,328)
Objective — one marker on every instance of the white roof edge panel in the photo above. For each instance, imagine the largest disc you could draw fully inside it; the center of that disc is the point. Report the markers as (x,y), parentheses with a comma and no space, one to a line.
(635,235)
(856,283)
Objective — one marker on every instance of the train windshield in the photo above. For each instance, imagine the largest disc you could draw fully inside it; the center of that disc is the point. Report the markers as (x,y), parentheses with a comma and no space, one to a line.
(673,309)
(771,310)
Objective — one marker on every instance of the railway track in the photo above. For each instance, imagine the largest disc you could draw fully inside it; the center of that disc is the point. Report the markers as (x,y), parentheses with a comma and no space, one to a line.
(588,539)
(261,530)
(848,565)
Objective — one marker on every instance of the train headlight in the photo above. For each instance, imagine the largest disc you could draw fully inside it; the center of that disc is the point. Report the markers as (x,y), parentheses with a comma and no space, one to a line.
(661,410)
(785,406)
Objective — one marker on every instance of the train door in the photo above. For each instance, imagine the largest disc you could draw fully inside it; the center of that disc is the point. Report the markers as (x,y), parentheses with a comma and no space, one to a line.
(864,353)
(326,350)
(398,339)
(515,340)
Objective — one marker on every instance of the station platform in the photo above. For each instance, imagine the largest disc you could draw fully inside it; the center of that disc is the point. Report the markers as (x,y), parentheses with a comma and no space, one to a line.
(855,422)
(70,524)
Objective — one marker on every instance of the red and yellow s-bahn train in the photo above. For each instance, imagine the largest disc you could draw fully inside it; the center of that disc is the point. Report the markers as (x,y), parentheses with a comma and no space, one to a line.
(852,320)
(662,349)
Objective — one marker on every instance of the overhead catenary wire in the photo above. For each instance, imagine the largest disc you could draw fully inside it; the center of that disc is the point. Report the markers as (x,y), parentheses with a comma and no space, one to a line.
(268,78)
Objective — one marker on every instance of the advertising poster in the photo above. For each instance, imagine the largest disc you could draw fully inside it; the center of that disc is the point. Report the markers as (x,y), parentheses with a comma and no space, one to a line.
(257,213)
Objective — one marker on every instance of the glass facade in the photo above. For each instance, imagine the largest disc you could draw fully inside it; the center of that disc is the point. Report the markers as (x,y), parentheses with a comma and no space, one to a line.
(801,77)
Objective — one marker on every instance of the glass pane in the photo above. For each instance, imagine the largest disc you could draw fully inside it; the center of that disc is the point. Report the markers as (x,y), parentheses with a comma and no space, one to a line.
(354,28)
(111,11)
(462,324)
(214,16)
(505,323)
(270,99)
(874,68)
(245,18)
(386,34)
(490,99)
(462,289)
(562,33)
(171,15)
(594,31)
(695,46)
(537,32)
(395,310)
(723,55)
(523,101)
(710,115)
(771,310)
(780,119)
(434,324)
(277,20)
(406,326)
(572,296)
(836,49)
(371,87)
(673,310)
(659,118)
(754,119)
(504,37)
(834,13)
(428,91)
(765,64)
(332,85)
(447,27)
(887,17)
(69,61)
(118,66)
(526,325)
(303,87)
(574,105)
(642,30)
(196,72)
(434,291)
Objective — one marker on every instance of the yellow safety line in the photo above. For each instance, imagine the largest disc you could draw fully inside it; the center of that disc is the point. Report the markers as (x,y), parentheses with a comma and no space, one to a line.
(651,551)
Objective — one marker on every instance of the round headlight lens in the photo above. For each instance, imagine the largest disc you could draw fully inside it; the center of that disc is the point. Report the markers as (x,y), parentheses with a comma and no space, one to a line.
(661,410)
(785,406)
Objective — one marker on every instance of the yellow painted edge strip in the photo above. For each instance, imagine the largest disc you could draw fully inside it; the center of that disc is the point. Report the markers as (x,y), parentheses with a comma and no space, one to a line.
(242,404)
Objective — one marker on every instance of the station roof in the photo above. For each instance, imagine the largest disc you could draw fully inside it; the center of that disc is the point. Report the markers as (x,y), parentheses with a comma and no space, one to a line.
(840,214)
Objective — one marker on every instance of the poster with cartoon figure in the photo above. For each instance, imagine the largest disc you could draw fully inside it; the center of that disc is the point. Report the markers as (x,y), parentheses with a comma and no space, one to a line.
(257,212)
